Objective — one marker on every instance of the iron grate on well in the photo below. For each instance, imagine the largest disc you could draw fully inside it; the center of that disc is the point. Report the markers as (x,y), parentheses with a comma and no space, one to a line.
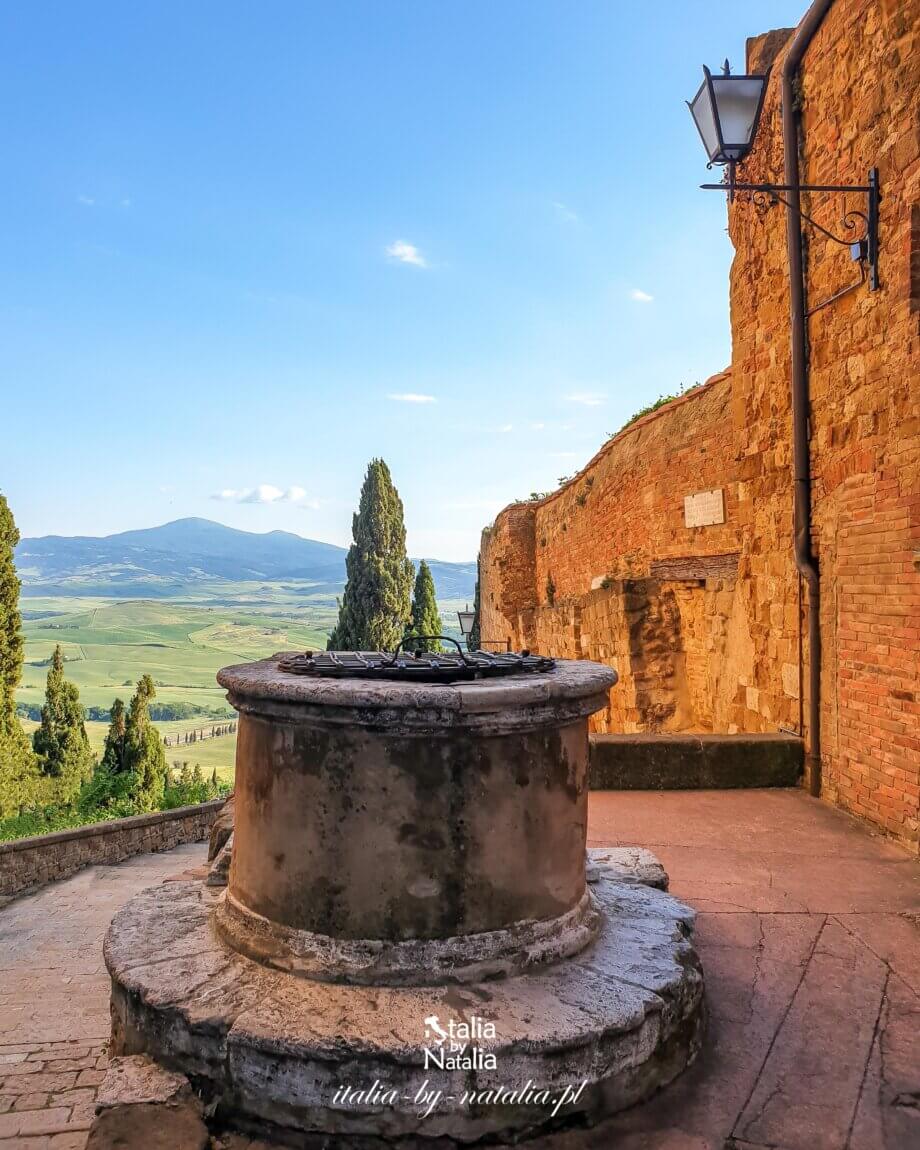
(415,666)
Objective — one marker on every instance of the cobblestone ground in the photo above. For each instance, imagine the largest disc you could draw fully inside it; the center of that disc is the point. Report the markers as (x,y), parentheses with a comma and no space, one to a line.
(809,932)
(54,999)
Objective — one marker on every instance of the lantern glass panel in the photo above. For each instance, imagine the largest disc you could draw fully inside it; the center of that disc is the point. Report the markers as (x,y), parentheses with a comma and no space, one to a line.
(737,103)
(703,114)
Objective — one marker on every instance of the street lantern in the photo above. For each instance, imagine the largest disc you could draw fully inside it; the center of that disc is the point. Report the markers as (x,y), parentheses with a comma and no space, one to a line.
(726,110)
(467,618)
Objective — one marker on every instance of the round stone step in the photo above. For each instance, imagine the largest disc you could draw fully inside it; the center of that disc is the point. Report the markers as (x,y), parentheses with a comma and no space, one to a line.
(590,1034)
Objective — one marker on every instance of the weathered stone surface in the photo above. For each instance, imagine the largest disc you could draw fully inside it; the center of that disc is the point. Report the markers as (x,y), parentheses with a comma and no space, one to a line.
(572,691)
(471,798)
(683,762)
(624,1016)
(463,958)
(136,1079)
(149,1126)
(219,870)
(140,1104)
(221,829)
(626,864)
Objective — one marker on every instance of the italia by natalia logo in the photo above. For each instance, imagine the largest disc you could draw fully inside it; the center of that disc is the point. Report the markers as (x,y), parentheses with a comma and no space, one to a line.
(455,1044)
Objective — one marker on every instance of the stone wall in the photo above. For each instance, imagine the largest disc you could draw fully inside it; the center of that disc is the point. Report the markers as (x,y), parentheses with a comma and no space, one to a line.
(607,569)
(29,863)
(720,646)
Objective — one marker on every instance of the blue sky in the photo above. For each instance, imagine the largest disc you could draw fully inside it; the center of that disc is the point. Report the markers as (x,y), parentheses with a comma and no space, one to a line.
(235,237)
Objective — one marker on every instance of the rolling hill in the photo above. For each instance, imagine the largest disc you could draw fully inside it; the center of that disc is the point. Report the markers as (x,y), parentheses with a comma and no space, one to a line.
(178,602)
(160,561)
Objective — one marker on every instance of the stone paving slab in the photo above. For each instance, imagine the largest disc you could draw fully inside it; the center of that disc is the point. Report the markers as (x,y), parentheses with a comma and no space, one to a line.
(54,999)
(809,932)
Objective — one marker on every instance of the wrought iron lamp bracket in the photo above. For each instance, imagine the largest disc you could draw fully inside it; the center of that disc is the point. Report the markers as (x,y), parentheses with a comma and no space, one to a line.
(862,241)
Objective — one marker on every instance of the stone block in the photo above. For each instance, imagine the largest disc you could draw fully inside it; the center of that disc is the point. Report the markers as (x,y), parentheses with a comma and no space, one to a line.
(141,1104)
(641,762)
(219,871)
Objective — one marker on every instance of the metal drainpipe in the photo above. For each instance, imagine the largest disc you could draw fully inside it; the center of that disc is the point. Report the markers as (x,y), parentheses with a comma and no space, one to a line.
(805,560)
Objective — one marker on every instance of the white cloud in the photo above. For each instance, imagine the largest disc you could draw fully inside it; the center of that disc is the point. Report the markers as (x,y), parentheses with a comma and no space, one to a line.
(587,398)
(564,212)
(537,426)
(86,201)
(411,397)
(640,296)
(406,253)
(265,493)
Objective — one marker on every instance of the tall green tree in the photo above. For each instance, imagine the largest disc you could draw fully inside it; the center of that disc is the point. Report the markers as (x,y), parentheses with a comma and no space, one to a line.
(474,639)
(113,754)
(11,641)
(375,608)
(425,618)
(60,743)
(144,754)
(18,771)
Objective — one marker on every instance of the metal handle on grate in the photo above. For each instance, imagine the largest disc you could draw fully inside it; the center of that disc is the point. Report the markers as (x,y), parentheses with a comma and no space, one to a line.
(417,639)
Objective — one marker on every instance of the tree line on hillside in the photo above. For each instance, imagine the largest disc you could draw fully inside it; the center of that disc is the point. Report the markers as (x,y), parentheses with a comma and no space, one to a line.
(386,602)
(218,730)
(159,712)
(54,778)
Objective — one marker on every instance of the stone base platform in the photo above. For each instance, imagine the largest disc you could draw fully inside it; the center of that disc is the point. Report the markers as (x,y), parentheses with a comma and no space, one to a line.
(676,761)
(590,1035)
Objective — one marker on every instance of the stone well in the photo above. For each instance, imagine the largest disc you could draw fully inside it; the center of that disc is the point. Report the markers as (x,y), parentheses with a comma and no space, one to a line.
(408,861)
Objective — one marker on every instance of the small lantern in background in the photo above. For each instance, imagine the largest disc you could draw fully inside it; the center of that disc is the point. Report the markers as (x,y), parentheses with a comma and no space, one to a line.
(467,618)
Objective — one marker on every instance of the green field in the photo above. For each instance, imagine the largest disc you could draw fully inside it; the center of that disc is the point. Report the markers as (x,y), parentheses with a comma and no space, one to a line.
(182,643)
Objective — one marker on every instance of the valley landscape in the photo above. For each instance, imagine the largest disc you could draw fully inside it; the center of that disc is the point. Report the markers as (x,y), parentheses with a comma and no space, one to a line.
(179,602)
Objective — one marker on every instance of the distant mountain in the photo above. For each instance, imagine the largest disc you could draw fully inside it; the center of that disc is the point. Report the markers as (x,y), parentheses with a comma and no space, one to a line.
(156,559)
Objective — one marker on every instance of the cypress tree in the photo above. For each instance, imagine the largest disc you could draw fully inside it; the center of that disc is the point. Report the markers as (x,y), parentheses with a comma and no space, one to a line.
(425,618)
(60,743)
(474,639)
(18,772)
(113,754)
(374,610)
(144,754)
(11,641)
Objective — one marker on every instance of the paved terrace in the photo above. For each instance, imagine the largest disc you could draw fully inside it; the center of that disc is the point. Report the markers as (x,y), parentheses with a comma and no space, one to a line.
(808,928)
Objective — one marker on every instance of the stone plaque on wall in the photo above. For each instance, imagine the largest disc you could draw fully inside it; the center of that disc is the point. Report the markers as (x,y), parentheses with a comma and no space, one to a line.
(704,509)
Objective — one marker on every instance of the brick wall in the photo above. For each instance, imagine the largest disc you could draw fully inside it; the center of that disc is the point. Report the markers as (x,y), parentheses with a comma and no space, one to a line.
(720,647)
(617,576)
(29,863)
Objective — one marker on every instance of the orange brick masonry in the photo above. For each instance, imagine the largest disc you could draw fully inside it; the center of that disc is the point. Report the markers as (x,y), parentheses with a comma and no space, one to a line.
(705,624)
